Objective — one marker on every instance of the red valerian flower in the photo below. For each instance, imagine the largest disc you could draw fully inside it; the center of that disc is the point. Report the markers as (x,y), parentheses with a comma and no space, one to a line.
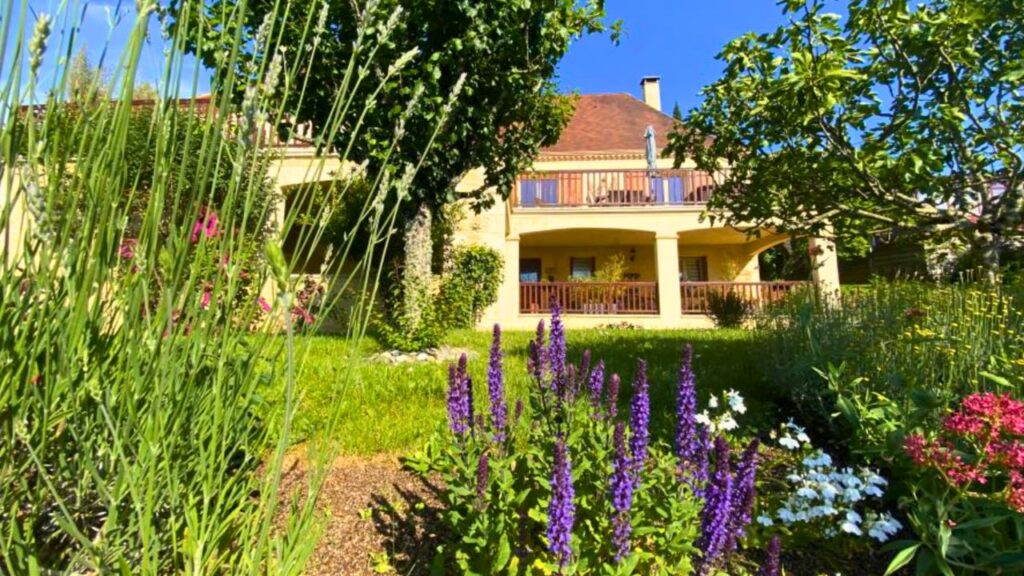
(988,432)
(1016,497)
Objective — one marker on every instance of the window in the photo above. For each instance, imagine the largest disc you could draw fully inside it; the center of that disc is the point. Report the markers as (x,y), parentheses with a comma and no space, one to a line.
(535,192)
(693,269)
(529,270)
(581,267)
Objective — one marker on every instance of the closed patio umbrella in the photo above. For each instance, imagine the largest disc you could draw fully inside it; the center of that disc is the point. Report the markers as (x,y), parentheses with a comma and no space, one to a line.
(651,148)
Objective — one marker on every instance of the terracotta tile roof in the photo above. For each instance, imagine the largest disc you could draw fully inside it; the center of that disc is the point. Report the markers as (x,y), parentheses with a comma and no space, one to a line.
(606,123)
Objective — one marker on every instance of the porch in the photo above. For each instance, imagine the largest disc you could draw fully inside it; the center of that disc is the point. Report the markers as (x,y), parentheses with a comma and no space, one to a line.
(641,298)
(654,269)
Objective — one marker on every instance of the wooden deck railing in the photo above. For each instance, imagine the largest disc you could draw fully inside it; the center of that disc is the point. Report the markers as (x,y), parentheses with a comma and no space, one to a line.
(585,297)
(757,294)
(612,188)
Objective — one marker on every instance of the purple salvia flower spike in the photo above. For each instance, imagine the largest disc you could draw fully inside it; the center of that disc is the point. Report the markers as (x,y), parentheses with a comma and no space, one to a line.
(771,565)
(639,421)
(622,495)
(687,441)
(538,355)
(519,410)
(483,471)
(496,388)
(463,365)
(613,397)
(595,386)
(562,509)
(582,374)
(470,410)
(459,412)
(714,525)
(556,352)
(743,495)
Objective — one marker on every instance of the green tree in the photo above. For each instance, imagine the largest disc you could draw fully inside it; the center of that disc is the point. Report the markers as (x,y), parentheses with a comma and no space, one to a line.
(503,53)
(83,81)
(500,55)
(906,116)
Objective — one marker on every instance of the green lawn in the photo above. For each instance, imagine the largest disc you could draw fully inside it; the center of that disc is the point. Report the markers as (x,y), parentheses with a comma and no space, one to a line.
(377,408)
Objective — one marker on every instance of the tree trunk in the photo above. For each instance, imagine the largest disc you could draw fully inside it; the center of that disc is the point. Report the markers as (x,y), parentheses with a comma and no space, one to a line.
(416,275)
(986,250)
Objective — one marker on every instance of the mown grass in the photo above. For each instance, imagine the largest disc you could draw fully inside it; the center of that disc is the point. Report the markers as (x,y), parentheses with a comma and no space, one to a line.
(378,408)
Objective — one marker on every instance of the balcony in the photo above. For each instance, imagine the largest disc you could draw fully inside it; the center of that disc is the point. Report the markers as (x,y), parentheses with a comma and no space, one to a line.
(641,298)
(612,188)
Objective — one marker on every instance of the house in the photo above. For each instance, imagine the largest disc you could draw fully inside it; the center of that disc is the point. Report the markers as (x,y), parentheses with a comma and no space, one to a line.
(590,203)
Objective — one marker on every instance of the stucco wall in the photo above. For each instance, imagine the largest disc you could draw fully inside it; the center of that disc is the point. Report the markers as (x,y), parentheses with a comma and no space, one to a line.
(555,260)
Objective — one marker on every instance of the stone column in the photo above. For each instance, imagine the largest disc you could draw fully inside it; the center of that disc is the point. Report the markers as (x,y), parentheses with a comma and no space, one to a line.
(508,298)
(670,306)
(824,266)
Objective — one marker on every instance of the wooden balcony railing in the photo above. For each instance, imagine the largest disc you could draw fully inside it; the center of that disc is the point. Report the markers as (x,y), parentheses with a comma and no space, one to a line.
(757,294)
(585,297)
(612,188)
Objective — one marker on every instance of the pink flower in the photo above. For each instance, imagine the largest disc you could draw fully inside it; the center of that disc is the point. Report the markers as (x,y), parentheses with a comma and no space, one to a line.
(916,447)
(1015,498)
(205,225)
(205,302)
(127,249)
(302,316)
(211,225)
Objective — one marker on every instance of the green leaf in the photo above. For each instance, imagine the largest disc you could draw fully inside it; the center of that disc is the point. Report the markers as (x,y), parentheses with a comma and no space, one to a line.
(902,559)
(504,553)
(983,522)
(998,380)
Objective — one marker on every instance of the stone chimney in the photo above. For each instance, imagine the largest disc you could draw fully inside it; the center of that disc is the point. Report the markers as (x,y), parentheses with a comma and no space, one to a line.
(651,88)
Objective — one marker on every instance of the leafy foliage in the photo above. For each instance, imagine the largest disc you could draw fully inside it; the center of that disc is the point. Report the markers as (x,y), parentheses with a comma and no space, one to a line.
(470,286)
(906,116)
(727,308)
(453,300)
(502,54)
(967,498)
(599,507)
(132,438)
(890,355)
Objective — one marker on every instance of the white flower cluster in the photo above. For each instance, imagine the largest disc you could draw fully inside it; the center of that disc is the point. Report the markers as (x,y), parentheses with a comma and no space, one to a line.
(822,491)
(724,419)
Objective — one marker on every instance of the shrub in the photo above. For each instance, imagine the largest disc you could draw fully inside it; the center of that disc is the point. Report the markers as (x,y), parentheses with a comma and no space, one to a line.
(897,351)
(470,286)
(727,309)
(967,499)
(564,484)
(461,296)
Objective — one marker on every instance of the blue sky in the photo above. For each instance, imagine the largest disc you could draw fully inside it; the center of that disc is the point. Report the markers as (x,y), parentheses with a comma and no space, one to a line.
(674,39)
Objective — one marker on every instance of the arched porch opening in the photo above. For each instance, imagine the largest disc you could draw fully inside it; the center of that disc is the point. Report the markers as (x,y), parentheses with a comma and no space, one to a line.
(588,271)
(721,261)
